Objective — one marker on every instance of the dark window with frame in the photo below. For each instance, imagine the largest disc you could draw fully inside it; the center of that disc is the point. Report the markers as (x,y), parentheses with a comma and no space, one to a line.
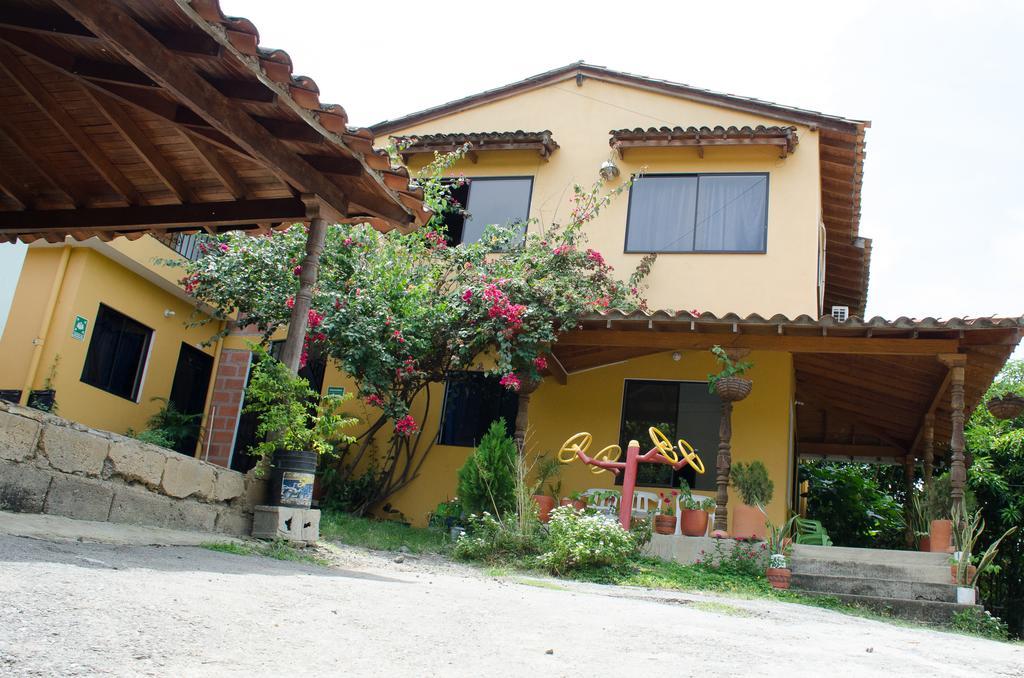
(486,201)
(117,354)
(472,401)
(698,213)
(681,409)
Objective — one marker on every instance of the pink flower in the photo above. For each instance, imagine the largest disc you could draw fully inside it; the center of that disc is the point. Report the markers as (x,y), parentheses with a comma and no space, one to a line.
(540,362)
(510,381)
(467,295)
(398,337)
(374,400)
(222,247)
(595,256)
(347,242)
(296,271)
(406,426)
(290,302)
(562,249)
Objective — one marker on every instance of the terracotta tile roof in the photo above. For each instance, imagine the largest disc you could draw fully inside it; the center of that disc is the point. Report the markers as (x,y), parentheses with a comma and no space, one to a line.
(542,142)
(783,136)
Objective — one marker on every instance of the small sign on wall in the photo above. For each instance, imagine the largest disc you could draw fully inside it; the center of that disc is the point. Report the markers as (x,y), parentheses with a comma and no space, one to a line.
(78,329)
(335,390)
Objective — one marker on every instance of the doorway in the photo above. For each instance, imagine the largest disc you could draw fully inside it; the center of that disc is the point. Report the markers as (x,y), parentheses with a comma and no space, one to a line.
(188,391)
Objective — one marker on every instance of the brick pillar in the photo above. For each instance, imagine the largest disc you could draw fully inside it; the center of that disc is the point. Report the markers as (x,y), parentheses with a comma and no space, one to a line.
(228,392)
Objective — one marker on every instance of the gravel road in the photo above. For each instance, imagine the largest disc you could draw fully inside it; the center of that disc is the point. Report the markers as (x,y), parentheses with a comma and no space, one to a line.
(72,608)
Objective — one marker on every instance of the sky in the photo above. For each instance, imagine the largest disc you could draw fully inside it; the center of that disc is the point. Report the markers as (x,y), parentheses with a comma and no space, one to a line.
(941,83)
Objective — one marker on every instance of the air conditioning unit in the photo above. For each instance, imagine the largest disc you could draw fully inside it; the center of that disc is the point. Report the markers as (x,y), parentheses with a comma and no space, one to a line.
(840,313)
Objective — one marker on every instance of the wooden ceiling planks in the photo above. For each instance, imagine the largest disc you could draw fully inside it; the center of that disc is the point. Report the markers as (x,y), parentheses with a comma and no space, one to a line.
(85,126)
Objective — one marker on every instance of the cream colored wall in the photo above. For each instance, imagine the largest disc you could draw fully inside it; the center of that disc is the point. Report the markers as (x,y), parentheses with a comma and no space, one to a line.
(784,280)
(592,401)
(91,279)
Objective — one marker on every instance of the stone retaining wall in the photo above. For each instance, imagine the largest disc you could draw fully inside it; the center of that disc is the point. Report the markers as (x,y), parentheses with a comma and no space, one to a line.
(51,465)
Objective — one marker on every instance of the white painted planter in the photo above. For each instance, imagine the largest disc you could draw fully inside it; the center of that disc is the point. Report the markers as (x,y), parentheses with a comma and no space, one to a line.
(965,595)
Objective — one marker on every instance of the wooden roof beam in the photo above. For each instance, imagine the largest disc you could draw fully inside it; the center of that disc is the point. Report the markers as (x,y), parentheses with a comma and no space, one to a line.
(26,81)
(220,167)
(848,450)
(157,217)
(190,43)
(790,343)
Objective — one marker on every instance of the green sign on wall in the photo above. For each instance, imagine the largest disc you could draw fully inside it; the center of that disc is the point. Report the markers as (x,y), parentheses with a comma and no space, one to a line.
(78,329)
(335,390)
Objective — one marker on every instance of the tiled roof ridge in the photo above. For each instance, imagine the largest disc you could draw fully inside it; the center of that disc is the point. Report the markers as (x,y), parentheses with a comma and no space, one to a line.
(902,322)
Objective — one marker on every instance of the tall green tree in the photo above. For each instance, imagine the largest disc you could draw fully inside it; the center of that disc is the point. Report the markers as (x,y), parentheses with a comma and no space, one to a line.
(487,481)
(997,477)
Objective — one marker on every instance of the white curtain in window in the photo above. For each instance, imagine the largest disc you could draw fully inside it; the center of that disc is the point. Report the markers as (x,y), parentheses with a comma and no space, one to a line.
(732,213)
(495,201)
(661,214)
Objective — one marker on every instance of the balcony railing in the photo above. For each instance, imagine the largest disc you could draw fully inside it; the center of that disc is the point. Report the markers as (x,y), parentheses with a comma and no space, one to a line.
(185,244)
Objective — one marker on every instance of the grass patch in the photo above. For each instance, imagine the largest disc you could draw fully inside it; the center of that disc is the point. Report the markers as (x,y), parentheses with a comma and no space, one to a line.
(278,550)
(540,584)
(380,535)
(722,608)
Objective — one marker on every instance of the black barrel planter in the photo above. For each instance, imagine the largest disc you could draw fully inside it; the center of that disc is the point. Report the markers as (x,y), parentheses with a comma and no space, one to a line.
(291,478)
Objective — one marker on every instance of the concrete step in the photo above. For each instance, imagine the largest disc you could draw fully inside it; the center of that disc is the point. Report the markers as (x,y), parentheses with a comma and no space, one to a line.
(929,574)
(870,556)
(880,588)
(927,611)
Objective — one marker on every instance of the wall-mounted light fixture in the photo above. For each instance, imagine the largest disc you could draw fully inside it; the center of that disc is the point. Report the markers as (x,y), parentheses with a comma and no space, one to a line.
(609,170)
(677,356)
(168,313)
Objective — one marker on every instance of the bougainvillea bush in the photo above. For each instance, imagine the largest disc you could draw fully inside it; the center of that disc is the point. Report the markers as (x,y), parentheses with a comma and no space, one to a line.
(398,312)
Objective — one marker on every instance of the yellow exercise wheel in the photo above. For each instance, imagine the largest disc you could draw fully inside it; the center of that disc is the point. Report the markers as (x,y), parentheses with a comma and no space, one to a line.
(577,443)
(610,453)
(661,442)
(689,455)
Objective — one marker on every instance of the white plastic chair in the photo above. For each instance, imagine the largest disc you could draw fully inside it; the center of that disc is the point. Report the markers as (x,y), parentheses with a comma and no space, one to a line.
(644,503)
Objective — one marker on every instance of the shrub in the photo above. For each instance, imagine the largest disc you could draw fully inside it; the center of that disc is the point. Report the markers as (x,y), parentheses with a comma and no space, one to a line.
(489,539)
(349,494)
(745,559)
(753,483)
(487,481)
(577,540)
(980,623)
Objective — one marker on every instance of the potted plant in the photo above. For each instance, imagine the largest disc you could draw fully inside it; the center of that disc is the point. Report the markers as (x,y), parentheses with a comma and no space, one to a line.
(577,500)
(938,508)
(1006,406)
(548,471)
(756,490)
(919,521)
(447,517)
(779,541)
(665,514)
(297,426)
(968,530)
(693,520)
(729,383)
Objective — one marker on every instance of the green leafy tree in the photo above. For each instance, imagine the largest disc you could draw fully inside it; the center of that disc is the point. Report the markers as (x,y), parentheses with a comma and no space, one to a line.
(487,481)
(996,476)
(851,502)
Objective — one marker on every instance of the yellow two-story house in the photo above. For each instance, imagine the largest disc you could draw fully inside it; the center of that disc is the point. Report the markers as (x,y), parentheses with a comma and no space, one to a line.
(753,210)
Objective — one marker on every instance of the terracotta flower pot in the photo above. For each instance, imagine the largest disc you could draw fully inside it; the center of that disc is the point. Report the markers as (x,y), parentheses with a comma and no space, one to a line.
(664,524)
(971,571)
(747,522)
(924,543)
(546,505)
(578,504)
(694,522)
(779,577)
(940,536)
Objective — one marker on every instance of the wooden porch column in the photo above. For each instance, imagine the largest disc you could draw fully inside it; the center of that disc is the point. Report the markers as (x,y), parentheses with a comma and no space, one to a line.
(722,467)
(958,471)
(292,349)
(929,448)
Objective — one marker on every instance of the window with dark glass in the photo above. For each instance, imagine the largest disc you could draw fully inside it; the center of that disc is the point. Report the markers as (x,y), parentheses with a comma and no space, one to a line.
(117,353)
(680,409)
(698,213)
(486,201)
(472,401)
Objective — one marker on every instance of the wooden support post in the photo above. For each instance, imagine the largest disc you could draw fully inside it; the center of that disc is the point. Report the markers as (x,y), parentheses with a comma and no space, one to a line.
(522,426)
(722,467)
(292,350)
(958,471)
(929,448)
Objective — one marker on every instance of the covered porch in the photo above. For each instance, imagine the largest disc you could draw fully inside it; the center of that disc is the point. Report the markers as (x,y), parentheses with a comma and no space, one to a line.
(874,390)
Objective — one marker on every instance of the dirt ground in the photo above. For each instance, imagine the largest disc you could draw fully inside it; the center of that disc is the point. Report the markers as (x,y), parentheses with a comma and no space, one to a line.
(70,608)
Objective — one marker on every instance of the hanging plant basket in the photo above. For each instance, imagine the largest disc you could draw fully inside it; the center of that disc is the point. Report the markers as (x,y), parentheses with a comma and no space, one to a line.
(733,389)
(1008,406)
